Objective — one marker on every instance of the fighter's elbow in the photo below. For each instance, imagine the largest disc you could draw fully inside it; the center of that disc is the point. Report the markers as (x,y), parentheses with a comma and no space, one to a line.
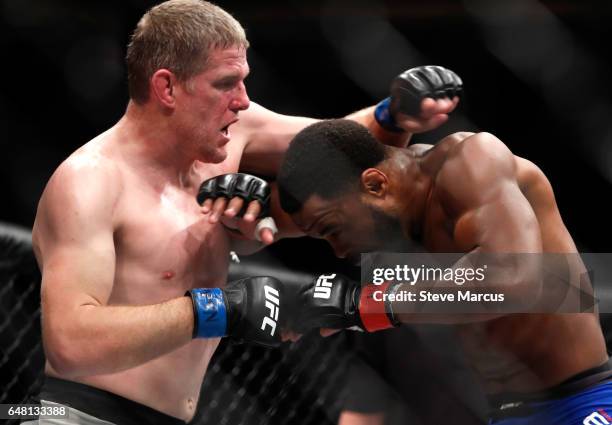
(526,288)
(63,356)
(518,277)
(66,354)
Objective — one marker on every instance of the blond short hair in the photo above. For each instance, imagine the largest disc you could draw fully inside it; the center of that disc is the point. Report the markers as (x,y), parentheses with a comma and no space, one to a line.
(178,35)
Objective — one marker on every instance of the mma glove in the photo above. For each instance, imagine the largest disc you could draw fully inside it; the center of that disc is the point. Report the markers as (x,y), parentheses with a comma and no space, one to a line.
(245,186)
(410,88)
(247,310)
(336,302)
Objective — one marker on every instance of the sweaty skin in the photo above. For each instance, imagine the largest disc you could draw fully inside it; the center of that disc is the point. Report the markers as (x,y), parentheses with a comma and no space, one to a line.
(470,194)
(119,237)
(522,352)
(110,232)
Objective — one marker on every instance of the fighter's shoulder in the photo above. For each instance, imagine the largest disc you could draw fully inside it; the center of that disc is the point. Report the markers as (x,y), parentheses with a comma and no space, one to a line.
(474,171)
(88,174)
(419,149)
(533,181)
(479,155)
(252,118)
(257,119)
(255,114)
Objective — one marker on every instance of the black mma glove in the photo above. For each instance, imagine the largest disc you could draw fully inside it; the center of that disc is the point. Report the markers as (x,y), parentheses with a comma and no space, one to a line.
(336,302)
(248,310)
(410,88)
(245,186)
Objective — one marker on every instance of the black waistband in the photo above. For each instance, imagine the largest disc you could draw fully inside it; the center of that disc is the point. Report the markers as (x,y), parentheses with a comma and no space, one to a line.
(103,404)
(518,404)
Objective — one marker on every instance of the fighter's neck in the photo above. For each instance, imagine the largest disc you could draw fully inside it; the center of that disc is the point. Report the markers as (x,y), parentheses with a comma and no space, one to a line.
(413,187)
(153,147)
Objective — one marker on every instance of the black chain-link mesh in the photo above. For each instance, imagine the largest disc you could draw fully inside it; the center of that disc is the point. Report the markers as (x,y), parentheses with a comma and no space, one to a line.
(299,383)
(19,319)
(296,384)
(21,356)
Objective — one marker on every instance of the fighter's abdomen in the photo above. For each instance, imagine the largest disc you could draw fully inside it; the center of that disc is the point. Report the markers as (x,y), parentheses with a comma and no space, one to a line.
(532,352)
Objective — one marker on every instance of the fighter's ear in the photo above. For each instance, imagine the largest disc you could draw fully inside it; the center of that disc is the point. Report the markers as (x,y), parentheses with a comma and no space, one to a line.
(374,182)
(163,86)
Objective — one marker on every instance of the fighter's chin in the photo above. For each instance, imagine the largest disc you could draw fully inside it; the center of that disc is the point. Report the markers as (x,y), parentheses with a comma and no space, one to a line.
(215,157)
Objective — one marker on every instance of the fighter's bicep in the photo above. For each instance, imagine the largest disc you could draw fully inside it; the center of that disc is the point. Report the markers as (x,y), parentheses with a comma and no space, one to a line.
(73,234)
(79,274)
(504,223)
(267,136)
(483,193)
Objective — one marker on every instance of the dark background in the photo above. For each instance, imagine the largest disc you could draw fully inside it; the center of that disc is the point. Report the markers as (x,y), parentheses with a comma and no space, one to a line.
(536,74)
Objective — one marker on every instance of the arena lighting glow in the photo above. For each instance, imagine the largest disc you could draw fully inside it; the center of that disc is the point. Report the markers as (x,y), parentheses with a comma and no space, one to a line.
(552,62)
(368,45)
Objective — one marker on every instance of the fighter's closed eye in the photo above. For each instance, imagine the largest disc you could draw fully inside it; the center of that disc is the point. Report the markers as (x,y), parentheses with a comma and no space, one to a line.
(328,230)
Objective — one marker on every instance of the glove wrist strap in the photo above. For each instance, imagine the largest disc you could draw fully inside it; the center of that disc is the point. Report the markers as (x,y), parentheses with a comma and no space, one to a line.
(385,118)
(376,315)
(209,311)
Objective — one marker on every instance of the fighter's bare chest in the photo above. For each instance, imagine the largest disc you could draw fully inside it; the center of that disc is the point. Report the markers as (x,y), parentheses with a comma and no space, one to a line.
(163,236)
(169,240)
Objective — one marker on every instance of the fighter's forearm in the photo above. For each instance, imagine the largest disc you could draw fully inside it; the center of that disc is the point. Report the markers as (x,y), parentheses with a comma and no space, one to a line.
(510,283)
(411,312)
(99,339)
(446,319)
(268,143)
(366,118)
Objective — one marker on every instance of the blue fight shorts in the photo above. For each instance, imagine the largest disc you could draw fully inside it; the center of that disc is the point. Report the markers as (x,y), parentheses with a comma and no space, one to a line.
(590,403)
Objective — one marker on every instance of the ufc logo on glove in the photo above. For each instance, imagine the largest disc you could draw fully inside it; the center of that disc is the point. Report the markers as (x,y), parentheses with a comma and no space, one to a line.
(272,304)
(323,286)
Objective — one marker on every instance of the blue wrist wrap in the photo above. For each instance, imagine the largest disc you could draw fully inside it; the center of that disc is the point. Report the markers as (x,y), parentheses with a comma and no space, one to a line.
(383,116)
(209,312)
